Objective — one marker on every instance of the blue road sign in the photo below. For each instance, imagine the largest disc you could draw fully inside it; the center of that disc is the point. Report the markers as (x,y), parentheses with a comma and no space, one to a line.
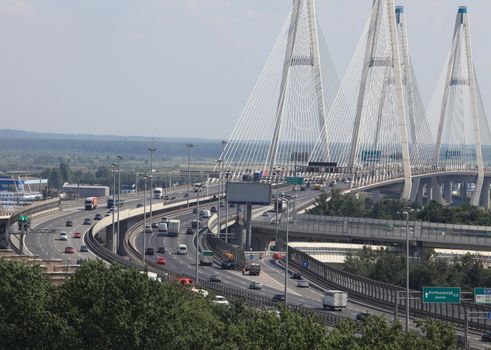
(489,315)
(306,263)
(251,257)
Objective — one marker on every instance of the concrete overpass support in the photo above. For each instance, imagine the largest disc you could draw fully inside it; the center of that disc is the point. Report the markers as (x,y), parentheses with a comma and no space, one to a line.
(415,190)
(448,192)
(436,190)
(123,228)
(375,196)
(484,198)
(463,192)
(109,238)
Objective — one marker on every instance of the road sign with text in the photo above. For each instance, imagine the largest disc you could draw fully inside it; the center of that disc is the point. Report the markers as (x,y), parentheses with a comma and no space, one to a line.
(295,180)
(482,295)
(450,295)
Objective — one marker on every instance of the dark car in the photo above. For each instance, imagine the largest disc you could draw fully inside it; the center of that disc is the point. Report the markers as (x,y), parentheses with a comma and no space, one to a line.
(190,231)
(228,265)
(69,223)
(139,205)
(296,276)
(149,251)
(69,250)
(97,217)
(213,209)
(173,197)
(486,336)
(84,249)
(195,211)
(155,225)
(278,297)
(161,249)
(215,277)
(362,315)
(232,205)
(87,221)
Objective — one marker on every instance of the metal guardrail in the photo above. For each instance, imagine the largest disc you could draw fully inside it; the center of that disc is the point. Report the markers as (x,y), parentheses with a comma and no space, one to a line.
(384,294)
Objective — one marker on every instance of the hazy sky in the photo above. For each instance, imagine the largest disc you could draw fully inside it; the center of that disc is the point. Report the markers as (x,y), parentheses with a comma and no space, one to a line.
(183,67)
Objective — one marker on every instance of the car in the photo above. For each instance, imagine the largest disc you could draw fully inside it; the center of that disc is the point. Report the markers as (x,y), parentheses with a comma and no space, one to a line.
(97,217)
(215,277)
(63,236)
(108,214)
(278,297)
(149,251)
(296,276)
(486,337)
(195,211)
(222,205)
(185,195)
(84,249)
(362,315)
(155,225)
(148,229)
(213,209)
(232,205)
(256,285)
(185,281)
(77,235)
(220,300)
(228,265)
(265,213)
(139,205)
(166,198)
(161,249)
(165,220)
(189,231)
(173,197)
(202,292)
(277,256)
(69,223)
(69,250)
(87,221)
(303,283)
(161,260)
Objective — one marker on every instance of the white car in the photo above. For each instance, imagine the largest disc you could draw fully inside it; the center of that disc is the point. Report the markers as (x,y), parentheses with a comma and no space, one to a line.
(203,292)
(63,236)
(303,284)
(219,300)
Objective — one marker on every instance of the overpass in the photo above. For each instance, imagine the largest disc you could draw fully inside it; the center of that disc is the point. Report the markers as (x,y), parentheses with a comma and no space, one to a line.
(421,234)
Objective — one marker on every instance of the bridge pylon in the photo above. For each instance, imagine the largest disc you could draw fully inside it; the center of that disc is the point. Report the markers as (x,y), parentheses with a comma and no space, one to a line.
(287,109)
(463,137)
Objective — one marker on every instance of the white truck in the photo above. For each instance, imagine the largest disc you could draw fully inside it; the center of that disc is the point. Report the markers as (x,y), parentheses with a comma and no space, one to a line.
(173,227)
(206,258)
(335,300)
(157,193)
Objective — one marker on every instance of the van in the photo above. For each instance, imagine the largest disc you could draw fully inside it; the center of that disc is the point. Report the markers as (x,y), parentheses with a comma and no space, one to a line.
(162,227)
(205,214)
(182,249)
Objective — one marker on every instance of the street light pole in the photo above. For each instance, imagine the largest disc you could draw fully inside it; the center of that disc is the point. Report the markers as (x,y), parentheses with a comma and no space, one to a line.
(407,270)
(115,247)
(219,195)
(286,251)
(144,216)
(119,158)
(226,207)
(189,146)
(151,149)
(198,222)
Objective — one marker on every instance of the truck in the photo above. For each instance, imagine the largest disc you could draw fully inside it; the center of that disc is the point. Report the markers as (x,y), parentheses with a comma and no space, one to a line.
(335,300)
(111,202)
(228,262)
(157,193)
(206,258)
(252,269)
(195,223)
(90,203)
(173,227)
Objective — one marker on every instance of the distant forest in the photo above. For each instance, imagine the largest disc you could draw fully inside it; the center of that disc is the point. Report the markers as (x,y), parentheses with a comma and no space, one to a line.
(25,151)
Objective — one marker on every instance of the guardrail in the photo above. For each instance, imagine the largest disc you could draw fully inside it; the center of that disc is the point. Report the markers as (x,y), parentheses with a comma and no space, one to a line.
(383,294)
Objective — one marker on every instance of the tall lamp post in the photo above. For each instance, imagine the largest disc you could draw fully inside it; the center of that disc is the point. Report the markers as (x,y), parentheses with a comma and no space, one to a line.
(119,159)
(406,213)
(189,146)
(198,224)
(227,174)
(115,246)
(219,161)
(286,248)
(144,215)
(151,150)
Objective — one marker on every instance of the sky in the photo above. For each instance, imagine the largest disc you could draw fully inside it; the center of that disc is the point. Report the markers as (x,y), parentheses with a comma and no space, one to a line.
(183,68)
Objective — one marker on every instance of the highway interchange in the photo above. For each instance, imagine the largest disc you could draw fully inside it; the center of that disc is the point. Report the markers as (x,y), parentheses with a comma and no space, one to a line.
(43,241)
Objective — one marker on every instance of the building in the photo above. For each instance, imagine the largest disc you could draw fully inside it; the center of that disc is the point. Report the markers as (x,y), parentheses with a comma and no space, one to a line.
(83,191)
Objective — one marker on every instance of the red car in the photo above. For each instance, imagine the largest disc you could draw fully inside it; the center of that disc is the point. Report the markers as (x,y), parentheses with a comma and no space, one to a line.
(76,235)
(161,260)
(277,256)
(69,250)
(185,281)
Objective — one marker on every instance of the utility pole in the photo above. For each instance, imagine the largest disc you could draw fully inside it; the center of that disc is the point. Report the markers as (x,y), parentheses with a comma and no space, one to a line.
(119,159)
(151,149)
(189,146)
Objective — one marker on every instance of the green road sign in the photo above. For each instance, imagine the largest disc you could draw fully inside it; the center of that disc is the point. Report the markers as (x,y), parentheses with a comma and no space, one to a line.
(294,180)
(482,295)
(450,295)
(23,218)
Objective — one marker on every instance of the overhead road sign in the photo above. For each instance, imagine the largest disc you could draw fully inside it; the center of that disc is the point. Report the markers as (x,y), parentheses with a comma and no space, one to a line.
(449,295)
(294,180)
(482,295)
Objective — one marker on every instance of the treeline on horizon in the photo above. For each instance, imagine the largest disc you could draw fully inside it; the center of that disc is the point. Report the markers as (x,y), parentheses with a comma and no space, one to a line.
(102,307)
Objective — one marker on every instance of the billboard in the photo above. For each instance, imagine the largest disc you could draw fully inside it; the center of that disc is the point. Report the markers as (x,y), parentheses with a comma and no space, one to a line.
(249,192)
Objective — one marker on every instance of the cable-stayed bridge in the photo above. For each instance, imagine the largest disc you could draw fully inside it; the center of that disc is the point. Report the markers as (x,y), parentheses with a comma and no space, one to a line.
(371,127)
